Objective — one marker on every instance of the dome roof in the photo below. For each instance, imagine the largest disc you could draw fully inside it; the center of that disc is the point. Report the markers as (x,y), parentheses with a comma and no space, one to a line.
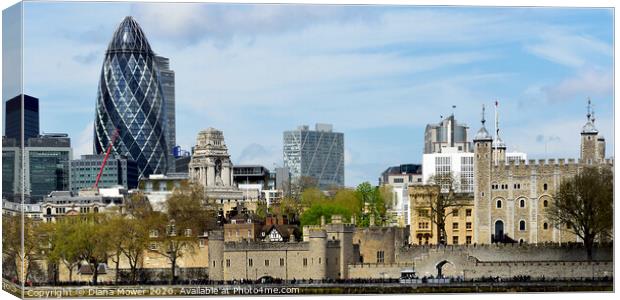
(482,134)
(129,37)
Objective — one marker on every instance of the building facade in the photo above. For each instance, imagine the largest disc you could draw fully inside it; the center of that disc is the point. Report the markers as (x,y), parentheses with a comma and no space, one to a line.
(446,134)
(18,110)
(398,178)
(118,171)
(460,217)
(212,168)
(318,154)
(166,78)
(47,160)
(131,102)
(511,197)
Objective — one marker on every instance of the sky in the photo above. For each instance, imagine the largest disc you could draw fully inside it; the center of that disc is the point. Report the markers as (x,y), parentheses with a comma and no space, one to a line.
(379,74)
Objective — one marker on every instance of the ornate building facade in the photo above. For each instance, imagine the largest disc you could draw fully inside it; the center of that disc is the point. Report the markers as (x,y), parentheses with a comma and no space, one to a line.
(511,197)
(211,167)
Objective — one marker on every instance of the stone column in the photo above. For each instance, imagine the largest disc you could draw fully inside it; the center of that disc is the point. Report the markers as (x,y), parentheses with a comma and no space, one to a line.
(210,174)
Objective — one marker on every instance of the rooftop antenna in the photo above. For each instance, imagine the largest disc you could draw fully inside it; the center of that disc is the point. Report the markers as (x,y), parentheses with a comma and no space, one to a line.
(589,115)
(483,120)
(453,107)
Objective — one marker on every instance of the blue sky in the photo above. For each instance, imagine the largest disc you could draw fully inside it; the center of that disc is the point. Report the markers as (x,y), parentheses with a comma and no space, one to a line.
(377,73)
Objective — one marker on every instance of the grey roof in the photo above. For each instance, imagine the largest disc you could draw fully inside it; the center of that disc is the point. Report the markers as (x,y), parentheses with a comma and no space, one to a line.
(498,143)
(589,128)
(482,134)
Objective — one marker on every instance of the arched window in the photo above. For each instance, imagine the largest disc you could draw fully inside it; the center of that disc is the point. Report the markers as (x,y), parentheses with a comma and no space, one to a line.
(545,203)
(545,226)
(545,186)
(49,211)
(96,209)
(499,203)
(522,203)
(522,225)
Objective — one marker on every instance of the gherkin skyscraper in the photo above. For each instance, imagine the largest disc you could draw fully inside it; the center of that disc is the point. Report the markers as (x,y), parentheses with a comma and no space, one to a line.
(131,103)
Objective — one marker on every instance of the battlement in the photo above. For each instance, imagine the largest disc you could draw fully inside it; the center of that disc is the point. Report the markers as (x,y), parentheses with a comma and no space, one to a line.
(216,235)
(265,246)
(544,164)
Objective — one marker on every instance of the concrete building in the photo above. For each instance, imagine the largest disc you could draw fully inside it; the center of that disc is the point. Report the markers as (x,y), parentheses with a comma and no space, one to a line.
(318,154)
(22,108)
(212,168)
(446,134)
(398,178)
(158,188)
(60,204)
(118,171)
(511,197)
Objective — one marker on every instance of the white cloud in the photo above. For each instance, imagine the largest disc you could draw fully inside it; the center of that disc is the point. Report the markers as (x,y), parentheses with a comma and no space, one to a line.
(570,49)
(84,143)
(587,82)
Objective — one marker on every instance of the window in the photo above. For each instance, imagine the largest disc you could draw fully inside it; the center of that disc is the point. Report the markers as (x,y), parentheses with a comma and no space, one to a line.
(545,203)
(380,257)
(188,232)
(455,240)
(499,203)
(154,233)
(455,226)
(522,225)
(545,226)
(468,212)
(455,212)
(522,203)
(319,260)
(153,246)
(305,262)
(398,180)
(250,262)
(468,225)
(201,243)
(228,263)
(281,262)
(468,240)
(266,263)
(545,186)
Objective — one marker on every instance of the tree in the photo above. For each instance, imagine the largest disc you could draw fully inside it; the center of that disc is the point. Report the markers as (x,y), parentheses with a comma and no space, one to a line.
(443,206)
(176,231)
(584,203)
(63,248)
(92,242)
(134,244)
(372,200)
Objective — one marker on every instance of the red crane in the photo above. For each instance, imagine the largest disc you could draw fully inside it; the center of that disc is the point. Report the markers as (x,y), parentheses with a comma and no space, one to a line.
(105,159)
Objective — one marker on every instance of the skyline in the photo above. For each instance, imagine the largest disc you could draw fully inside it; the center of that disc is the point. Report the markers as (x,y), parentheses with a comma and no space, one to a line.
(372,59)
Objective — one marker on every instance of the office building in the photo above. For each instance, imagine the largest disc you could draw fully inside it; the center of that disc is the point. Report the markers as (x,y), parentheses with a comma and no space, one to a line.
(118,171)
(46,164)
(14,114)
(131,102)
(166,79)
(318,154)
(11,167)
(398,178)
(446,134)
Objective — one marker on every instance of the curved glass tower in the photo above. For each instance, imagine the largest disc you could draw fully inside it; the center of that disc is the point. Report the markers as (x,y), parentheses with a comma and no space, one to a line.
(130,100)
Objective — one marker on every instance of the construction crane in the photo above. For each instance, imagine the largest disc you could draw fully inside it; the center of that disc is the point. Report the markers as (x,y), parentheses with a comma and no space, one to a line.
(105,159)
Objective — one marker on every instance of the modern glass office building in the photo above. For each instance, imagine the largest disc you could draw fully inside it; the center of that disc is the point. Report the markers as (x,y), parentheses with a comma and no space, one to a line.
(318,154)
(15,111)
(118,171)
(131,101)
(47,165)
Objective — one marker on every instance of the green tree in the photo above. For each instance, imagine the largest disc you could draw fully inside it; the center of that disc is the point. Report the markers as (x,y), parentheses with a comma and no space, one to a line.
(92,242)
(178,228)
(584,203)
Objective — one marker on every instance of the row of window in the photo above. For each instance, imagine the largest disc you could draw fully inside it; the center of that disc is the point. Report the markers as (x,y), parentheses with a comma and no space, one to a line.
(515,186)
(455,212)
(455,226)
(498,204)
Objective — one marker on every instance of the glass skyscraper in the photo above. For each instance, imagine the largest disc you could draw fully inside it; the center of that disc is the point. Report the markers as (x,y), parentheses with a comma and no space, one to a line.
(131,100)
(14,116)
(166,78)
(318,154)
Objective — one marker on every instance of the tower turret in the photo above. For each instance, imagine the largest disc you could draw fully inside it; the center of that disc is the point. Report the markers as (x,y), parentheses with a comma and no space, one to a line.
(483,157)
(592,147)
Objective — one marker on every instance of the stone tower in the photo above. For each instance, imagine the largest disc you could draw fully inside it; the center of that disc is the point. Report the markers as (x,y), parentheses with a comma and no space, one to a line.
(592,145)
(210,164)
(483,158)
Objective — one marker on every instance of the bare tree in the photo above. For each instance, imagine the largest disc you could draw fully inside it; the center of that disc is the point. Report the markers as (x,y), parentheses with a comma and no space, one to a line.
(584,204)
(445,204)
